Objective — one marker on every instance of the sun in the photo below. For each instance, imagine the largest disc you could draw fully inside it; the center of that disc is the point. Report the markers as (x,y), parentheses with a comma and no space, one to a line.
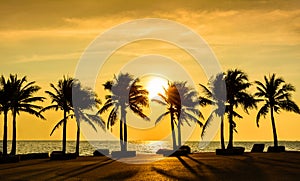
(155,86)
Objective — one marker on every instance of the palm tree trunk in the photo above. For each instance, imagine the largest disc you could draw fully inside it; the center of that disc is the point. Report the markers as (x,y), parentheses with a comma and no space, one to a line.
(125,131)
(64,142)
(274,128)
(230,143)
(173,131)
(5,133)
(222,133)
(121,131)
(14,136)
(179,134)
(77,138)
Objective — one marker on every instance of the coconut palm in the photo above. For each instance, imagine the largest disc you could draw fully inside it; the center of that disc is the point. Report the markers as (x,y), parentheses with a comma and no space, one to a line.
(277,95)
(23,100)
(167,101)
(84,99)
(5,97)
(182,105)
(61,99)
(215,95)
(125,92)
(237,84)
(186,106)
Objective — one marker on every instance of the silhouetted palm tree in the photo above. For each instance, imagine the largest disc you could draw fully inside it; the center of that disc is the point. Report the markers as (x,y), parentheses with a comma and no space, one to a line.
(182,105)
(277,95)
(61,99)
(85,99)
(5,100)
(215,94)
(22,101)
(126,92)
(237,84)
(166,101)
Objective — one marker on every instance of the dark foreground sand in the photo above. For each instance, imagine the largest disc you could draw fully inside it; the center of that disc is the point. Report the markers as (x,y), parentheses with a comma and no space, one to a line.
(201,166)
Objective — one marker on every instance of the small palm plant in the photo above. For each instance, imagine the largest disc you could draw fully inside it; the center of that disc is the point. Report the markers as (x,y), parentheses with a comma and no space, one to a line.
(215,95)
(125,92)
(61,100)
(277,95)
(23,100)
(182,106)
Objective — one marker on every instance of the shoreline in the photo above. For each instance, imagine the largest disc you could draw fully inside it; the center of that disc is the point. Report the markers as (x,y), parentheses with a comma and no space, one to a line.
(87,148)
(207,166)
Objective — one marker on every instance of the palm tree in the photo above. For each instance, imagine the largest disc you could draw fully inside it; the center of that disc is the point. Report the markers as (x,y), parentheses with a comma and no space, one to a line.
(126,92)
(84,99)
(237,84)
(167,101)
(215,94)
(182,103)
(22,101)
(277,95)
(61,99)
(5,97)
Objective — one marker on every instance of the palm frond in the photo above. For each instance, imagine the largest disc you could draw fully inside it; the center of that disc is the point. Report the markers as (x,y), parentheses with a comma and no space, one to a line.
(60,123)
(96,119)
(261,87)
(288,88)
(112,117)
(161,117)
(159,102)
(51,107)
(262,112)
(31,111)
(106,106)
(33,99)
(82,116)
(139,112)
(206,91)
(235,114)
(56,90)
(289,105)
(205,101)
(163,98)
(207,123)
(192,118)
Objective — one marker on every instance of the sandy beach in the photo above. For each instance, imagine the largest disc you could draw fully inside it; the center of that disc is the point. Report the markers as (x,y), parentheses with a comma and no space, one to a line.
(200,166)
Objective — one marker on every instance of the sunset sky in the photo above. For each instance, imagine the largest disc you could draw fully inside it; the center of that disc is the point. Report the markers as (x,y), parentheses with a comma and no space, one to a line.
(44,40)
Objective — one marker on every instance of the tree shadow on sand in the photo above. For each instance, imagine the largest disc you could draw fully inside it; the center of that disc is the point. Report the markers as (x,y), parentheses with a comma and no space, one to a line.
(291,163)
(167,174)
(23,164)
(191,169)
(83,169)
(244,168)
(241,169)
(196,172)
(37,173)
(121,175)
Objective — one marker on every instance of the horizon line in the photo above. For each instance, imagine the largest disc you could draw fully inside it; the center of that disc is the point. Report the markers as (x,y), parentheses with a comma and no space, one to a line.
(164,140)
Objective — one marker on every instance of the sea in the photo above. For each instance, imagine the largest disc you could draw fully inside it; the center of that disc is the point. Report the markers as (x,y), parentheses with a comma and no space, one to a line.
(142,147)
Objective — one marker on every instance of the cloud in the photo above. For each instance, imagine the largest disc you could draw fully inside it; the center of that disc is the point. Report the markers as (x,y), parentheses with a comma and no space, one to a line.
(236,26)
(242,26)
(48,57)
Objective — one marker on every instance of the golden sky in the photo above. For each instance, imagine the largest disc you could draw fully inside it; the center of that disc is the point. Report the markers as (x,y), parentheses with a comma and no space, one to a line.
(45,39)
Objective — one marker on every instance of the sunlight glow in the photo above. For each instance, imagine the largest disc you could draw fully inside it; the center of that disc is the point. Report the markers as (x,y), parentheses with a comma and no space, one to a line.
(155,86)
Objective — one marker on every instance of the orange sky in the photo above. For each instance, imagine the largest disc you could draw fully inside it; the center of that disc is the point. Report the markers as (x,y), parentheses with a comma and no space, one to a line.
(44,40)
